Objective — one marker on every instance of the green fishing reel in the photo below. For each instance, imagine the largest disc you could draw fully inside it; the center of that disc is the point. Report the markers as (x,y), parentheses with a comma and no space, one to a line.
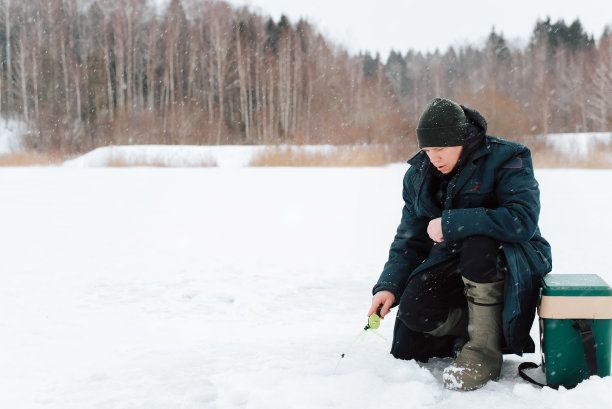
(373,322)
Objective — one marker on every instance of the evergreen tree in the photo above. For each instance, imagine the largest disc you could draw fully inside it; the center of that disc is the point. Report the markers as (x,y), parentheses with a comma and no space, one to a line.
(370,65)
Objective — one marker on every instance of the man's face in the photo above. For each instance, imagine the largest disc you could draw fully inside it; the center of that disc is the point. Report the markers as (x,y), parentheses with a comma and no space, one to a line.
(444,159)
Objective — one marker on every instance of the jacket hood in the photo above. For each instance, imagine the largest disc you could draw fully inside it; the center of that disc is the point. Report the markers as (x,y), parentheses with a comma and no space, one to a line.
(475,118)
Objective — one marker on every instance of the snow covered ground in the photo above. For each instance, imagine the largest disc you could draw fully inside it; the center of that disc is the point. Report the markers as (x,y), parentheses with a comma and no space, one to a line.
(11,132)
(579,144)
(236,288)
(230,156)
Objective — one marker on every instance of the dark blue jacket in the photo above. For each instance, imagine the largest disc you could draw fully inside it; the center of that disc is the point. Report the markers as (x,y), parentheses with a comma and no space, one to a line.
(494,194)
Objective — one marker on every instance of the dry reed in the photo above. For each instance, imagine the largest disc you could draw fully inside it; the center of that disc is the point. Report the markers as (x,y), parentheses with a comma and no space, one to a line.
(31,159)
(376,155)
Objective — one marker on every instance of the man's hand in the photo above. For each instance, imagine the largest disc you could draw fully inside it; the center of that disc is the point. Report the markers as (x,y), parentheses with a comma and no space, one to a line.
(434,229)
(384,298)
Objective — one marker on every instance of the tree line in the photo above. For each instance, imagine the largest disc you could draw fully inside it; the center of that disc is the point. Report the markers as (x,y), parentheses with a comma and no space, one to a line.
(88,73)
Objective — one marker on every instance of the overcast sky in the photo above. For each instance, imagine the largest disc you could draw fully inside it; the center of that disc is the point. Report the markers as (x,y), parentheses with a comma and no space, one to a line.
(382,25)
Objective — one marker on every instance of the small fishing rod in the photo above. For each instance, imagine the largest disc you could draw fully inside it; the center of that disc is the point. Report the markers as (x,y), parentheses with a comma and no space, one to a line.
(372,325)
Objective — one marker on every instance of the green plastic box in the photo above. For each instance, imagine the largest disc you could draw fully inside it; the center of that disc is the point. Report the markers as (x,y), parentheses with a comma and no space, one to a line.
(574,307)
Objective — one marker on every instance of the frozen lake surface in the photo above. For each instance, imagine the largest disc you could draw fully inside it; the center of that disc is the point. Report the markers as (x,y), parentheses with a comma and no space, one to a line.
(237,288)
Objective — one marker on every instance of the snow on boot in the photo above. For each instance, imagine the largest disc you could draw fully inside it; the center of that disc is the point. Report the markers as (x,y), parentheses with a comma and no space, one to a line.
(480,359)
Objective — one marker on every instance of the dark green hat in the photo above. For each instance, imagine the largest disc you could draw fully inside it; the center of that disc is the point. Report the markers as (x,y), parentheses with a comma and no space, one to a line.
(442,123)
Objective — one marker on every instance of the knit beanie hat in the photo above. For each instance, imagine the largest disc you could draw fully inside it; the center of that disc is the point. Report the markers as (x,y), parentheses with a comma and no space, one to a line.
(442,123)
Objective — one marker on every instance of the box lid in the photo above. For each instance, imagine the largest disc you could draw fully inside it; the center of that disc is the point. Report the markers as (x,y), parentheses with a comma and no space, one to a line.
(575,285)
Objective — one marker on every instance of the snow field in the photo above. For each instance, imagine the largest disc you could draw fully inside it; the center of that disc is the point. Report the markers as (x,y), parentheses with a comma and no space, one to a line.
(236,288)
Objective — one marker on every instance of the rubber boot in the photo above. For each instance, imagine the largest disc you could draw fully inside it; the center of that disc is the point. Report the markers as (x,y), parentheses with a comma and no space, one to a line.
(480,359)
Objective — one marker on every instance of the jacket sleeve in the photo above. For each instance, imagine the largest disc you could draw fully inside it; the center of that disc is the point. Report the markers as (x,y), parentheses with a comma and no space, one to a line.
(409,248)
(516,217)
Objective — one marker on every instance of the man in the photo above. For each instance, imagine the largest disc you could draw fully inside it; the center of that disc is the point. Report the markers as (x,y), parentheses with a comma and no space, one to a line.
(467,259)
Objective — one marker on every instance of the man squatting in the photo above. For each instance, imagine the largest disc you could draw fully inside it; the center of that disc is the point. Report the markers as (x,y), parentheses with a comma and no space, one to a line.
(466,262)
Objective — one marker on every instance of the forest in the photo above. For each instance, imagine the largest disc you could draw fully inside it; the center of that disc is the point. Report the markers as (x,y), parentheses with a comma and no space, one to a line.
(83,74)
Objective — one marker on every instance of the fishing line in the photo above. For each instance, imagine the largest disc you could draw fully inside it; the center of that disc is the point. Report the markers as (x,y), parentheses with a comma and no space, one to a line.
(372,325)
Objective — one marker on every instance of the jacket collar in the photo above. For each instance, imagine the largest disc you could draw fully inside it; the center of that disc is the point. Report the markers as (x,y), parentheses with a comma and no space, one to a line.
(421,162)
(417,159)
(467,171)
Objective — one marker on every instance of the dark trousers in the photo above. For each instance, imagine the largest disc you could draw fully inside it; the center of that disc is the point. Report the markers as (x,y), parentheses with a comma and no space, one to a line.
(429,296)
